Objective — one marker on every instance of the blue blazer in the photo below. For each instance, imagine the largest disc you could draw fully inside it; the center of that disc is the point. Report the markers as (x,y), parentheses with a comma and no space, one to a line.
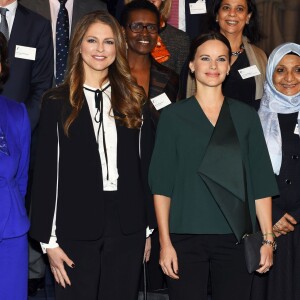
(14,160)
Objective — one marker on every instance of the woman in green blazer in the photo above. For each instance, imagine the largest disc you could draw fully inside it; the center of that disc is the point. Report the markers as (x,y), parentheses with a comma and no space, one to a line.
(211,177)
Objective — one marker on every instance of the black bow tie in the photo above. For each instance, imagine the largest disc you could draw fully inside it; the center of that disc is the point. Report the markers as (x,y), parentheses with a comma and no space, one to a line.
(99,120)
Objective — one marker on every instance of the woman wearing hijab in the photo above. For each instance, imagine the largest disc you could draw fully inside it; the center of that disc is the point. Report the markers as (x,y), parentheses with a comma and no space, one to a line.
(279,114)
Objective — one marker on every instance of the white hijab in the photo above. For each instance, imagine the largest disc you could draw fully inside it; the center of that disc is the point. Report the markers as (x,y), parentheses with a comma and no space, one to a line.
(274,102)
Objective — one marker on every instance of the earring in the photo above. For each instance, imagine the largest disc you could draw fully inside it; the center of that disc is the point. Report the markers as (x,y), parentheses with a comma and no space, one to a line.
(192,71)
(227,73)
(217,20)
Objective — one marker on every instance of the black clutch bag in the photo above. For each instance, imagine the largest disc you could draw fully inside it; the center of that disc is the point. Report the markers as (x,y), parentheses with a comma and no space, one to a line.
(252,244)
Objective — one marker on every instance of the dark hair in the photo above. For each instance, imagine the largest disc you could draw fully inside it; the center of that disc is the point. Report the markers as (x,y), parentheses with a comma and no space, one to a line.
(251,30)
(201,39)
(292,53)
(3,60)
(138,5)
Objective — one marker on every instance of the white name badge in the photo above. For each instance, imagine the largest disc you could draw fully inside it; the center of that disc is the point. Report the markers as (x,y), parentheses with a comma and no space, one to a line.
(198,7)
(25,52)
(160,101)
(296,131)
(249,72)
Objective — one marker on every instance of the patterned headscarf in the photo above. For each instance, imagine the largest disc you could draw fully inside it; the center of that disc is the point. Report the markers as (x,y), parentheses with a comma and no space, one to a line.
(274,102)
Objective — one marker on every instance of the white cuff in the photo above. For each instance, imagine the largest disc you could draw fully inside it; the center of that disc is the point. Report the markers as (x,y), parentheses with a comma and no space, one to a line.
(148,232)
(52,244)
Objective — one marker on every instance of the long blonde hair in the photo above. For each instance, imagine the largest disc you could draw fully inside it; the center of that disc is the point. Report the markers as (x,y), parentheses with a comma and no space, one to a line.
(126,96)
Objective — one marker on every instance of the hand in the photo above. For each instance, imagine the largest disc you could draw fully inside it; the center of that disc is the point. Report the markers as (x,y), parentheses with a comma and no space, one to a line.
(266,259)
(284,225)
(168,261)
(147,250)
(57,258)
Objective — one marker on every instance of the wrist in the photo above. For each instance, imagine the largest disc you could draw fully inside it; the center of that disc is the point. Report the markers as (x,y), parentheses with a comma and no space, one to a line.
(270,243)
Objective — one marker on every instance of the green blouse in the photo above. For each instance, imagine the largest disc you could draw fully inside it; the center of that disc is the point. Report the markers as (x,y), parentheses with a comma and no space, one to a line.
(183,135)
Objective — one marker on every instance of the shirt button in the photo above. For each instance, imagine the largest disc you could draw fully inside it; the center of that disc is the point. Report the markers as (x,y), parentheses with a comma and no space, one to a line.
(295,156)
(287,181)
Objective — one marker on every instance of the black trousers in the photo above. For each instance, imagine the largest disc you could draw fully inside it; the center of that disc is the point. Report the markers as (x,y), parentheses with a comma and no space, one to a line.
(108,268)
(200,254)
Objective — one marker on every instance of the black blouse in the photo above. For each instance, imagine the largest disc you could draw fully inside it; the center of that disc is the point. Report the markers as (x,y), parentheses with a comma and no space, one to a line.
(289,176)
(238,88)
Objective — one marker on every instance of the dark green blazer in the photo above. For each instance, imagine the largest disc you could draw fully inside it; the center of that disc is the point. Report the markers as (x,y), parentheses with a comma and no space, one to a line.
(183,135)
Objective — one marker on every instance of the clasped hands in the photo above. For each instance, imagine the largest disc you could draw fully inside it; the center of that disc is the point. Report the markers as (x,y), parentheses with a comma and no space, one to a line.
(284,225)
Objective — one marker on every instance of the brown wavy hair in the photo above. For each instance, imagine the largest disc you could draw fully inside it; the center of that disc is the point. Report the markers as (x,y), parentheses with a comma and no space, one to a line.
(126,96)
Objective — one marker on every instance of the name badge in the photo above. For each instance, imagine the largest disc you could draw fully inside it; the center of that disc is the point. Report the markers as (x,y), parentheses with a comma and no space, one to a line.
(160,101)
(25,52)
(249,72)
(198,7)
(296,131)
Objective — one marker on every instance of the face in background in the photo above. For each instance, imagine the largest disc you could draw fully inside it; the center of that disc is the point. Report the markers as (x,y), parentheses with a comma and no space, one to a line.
(211,63)
(141,42)
(286,76)
(233,16)
(98,50)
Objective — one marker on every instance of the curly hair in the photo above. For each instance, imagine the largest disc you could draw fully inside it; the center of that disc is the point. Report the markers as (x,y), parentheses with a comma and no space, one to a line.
(3,60)
(138,5)
(251,30)
(126,96)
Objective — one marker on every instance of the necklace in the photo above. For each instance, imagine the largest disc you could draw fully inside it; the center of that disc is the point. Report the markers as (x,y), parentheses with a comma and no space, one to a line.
(237,53)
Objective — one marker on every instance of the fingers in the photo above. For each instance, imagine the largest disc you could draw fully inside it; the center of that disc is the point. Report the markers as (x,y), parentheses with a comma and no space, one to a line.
(169,263)
(147,250)
(170,268)
(266,259)
(290,219)
(283,226)
(57,259)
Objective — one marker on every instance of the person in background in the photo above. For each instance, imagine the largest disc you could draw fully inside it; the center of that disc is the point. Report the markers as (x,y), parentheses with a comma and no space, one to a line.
(66,13)
(88,200)
(172,46)
(140,24)
(14,162)
(207,193)
(279,114)
(237,20)
(30,54)
(192,21)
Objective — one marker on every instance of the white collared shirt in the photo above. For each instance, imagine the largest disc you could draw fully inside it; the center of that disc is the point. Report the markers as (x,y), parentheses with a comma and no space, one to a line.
(181,15)
(10,14)
(110,132)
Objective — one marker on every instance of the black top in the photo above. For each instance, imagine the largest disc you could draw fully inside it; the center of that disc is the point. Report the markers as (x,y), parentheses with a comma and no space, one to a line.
(238,88)
(289,176)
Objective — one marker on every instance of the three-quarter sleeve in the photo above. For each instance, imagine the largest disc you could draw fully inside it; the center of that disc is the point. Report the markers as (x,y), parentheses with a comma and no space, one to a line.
(163,164)
(262,175)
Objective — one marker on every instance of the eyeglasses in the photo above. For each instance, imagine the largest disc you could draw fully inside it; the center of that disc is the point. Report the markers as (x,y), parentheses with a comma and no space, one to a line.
(139,27)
